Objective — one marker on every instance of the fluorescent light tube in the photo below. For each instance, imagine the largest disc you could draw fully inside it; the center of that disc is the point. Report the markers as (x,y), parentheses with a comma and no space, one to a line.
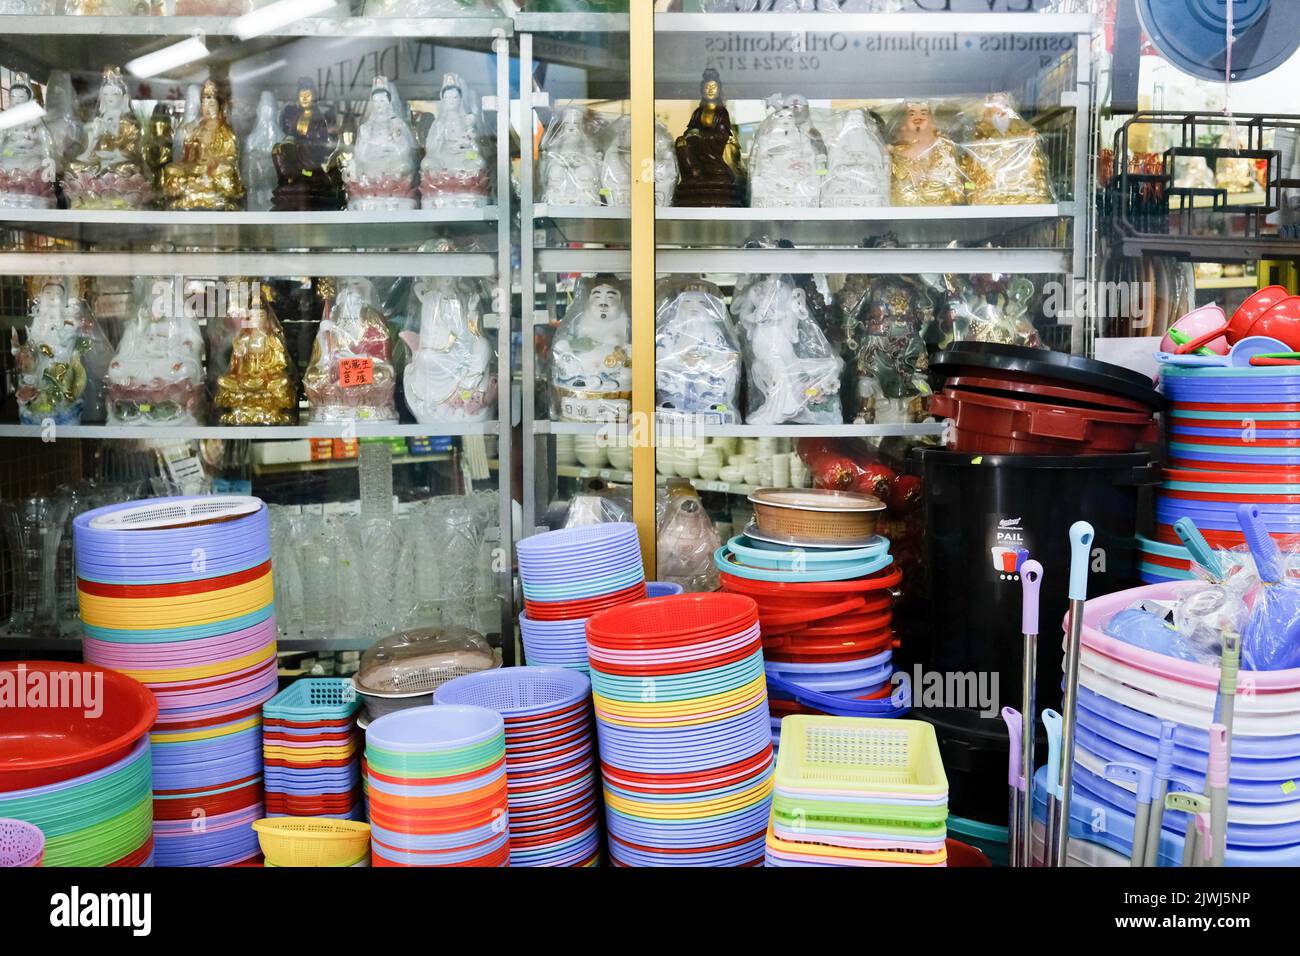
(21,114)
(168,58)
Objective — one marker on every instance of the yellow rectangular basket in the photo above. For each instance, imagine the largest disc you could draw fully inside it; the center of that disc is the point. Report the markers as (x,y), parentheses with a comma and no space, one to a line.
(860,754)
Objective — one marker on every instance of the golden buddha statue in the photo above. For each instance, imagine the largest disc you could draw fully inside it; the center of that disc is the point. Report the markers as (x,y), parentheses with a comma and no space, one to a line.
(206,174)
(109,172)
(926,169)
(259,386)
(1005,159)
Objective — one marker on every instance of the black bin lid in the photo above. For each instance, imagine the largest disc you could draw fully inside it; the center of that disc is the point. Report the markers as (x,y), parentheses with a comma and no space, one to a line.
(1043,363)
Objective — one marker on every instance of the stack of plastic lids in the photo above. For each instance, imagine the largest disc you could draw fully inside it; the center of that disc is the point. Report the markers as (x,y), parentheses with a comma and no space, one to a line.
(310,751)
(22,844)
(436,783)
(76,764)
(685,745)
(177,593)
(569,575)
(854,791)
(550,763)
(826,615)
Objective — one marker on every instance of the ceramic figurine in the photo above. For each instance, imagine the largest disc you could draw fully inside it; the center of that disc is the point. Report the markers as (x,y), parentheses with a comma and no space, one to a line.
(883,320)
(857,162)
(793,374)
(381,174)
(570,164)
(350,375)
(697,358)
(158,140)
(666,172)
(708,152)
(456,172)
(51,378)
(206,173)
(157,375)
(189,114)
(61,116)
(616,164)
(591,354)
(109,172)
(450,377)
(926,168)
(1005,158)
(306,161)
(259,385)
(787,158)
(258,165)
(28,160)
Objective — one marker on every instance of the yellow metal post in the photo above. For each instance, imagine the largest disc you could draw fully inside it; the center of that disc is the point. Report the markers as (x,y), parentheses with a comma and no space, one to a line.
(641,434)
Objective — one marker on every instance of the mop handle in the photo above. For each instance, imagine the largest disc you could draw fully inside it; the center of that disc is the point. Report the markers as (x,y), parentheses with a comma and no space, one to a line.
(1081,538)
(1052,721)
(1081,535)
(1015,730)
(1140,777)
(1194,805)
(1200,549)
(1204,838)
(1160,784)
(1216,783)
(1229,665)
(1268,560)
(1031,579)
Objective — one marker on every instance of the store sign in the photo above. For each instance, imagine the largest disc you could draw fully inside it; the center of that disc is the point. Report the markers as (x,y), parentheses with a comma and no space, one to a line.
(1008,546)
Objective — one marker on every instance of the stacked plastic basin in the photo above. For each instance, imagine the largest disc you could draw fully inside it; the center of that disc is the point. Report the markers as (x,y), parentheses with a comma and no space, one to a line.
(75,766)
(858,792)
(1124,694)
(826,617)
(310,750)
(551,771)
(177,593)
(1233,438)
(681,715)
(569,575)
(436,780)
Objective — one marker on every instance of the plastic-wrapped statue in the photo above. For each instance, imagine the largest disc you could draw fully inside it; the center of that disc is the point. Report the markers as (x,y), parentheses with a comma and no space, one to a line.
(665,166)
(61,115)
(686,540)
(109,172)
(570,163)
(1005,158)
(857,162)
(205,175)
(157,375)
(259,386)
(51,376)
(350,375)
(158,139)
(456,172)
(381,174)
(591,355)
(697,358)
(451,375)
(787,158)
(793,374)
(616,164)
(28,160)
(926,168)
(306,160)
(992,309)
(258,165)
(189,114)
(883,320)
(708,152)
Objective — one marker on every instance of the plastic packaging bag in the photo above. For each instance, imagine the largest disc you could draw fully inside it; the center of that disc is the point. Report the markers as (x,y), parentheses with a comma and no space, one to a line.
(157,375)
(457,167)
(451,375)
(591,354)
(1004,156)
(697,355)
(666,171)
(686,540)
(857,161)
(598,504)
(350,374)
(788,157)
(883,318)
(793,374)
(981,312)
(570,163)
(926,167)
(616,163)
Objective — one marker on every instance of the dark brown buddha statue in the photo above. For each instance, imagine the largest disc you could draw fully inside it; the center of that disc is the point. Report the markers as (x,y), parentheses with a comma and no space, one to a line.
(306,160)
(708,153)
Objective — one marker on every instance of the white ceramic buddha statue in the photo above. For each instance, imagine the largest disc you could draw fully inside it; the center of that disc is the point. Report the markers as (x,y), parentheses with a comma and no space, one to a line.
(787,157)
(455,172)
(28,160)
(591,354)
(570,163)
(109,172)
(157,376)
(616,164)
(666,171)
(450,377)
(857,162)
(51,376)
(381,174)
(258,166)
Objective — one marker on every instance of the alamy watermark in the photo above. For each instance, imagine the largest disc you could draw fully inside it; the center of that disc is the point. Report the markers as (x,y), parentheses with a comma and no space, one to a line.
(64,690)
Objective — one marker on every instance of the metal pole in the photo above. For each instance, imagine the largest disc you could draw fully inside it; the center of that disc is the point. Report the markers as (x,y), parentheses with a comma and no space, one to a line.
(1031,578)
(1081,538)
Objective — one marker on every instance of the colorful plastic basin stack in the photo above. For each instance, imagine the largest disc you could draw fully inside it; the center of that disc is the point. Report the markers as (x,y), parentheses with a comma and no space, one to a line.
(826,614)
(569,575)
(1163,562)
(854,791)
(436,781)
(685,744)
(177,593)
(310,750)
(75,766)
(551,769)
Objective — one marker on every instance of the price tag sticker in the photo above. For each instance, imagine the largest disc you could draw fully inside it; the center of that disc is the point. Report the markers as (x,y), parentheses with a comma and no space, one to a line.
(356,371)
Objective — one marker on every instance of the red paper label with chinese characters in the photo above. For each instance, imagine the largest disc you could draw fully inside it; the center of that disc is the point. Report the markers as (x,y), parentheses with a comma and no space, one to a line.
(356,371)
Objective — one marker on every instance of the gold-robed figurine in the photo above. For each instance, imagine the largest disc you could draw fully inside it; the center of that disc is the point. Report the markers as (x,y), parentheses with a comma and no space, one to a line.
(109,172)
(1005,158)
(708,152)
(926,169)
(158,142)
(259,386)
(206,174)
